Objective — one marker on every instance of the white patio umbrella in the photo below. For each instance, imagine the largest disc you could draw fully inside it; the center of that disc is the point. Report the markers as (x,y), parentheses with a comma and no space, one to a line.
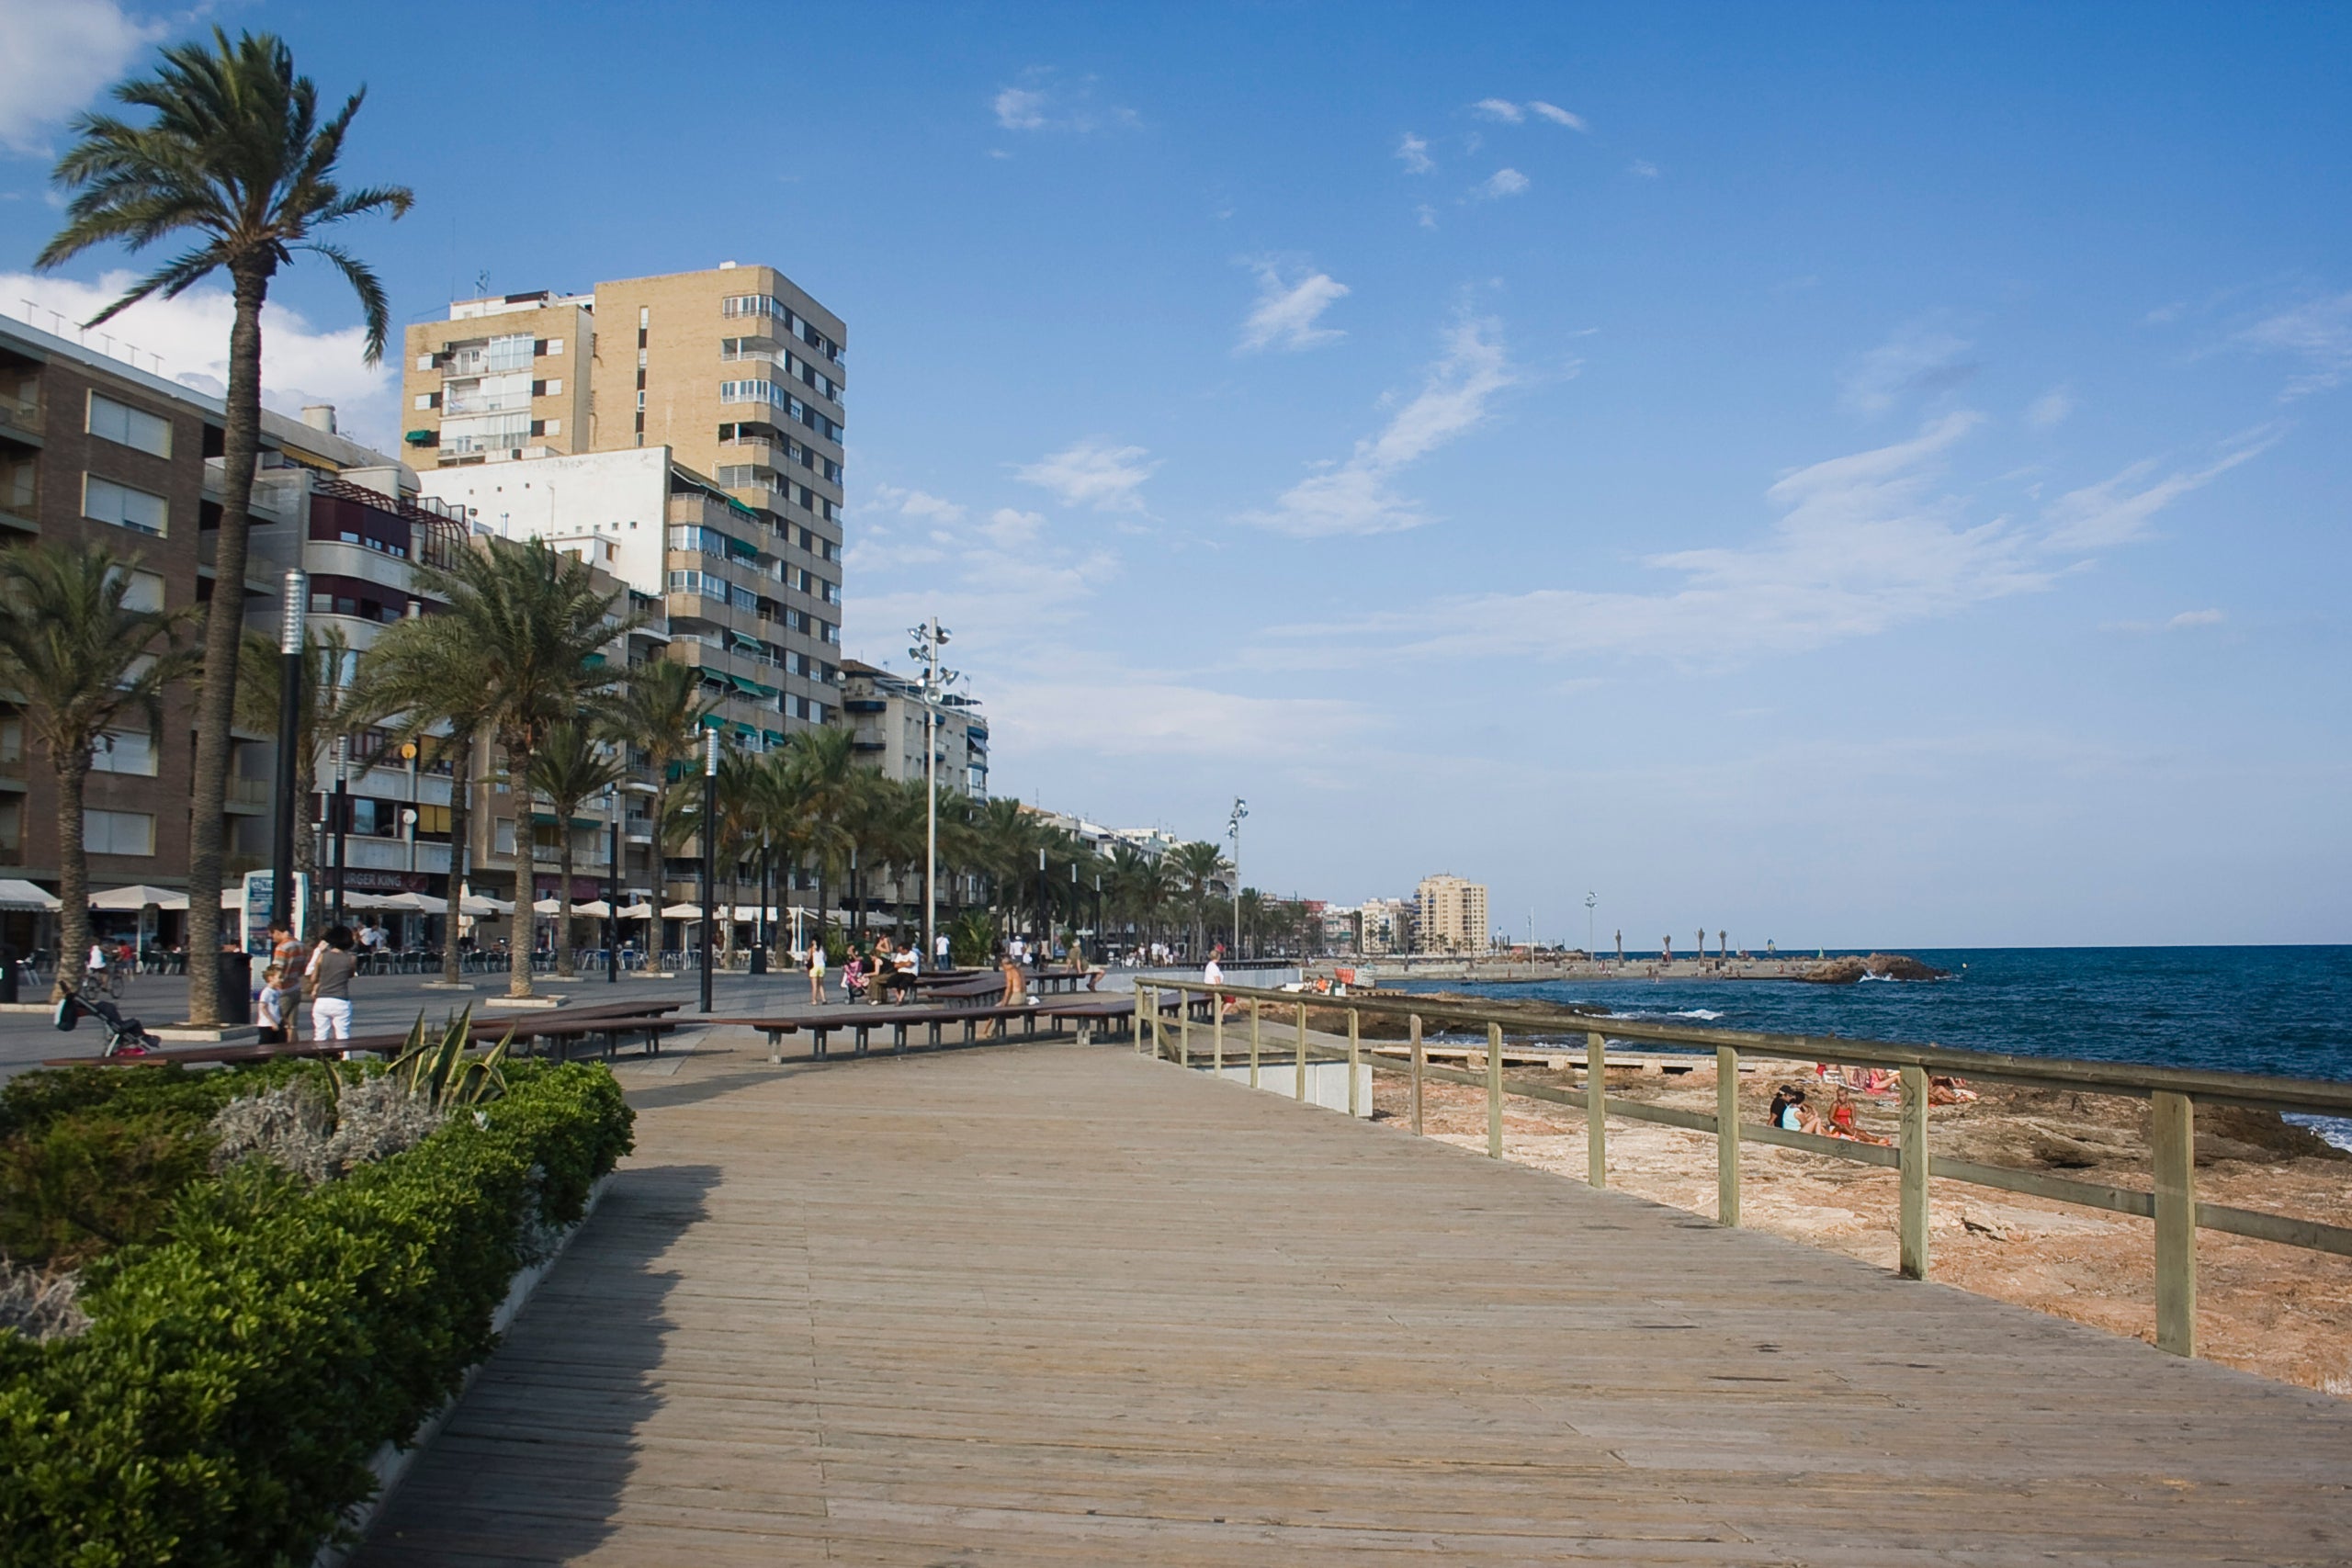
(683,912)
(17,894)
(483,904)
(418,903)
(640,910)
(138,896)
(592,910)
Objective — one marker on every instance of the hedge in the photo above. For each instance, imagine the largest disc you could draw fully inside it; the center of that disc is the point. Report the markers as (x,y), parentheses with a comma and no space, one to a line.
(238,1374)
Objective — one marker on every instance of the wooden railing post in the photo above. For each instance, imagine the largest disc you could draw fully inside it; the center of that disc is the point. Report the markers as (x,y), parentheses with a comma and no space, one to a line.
(1298,1089)
(1495,1090)
(1911,1218)
(1216,1034)
(1354,1047)
(1158,1031)
(1253,1043)
(1413,1022)
(1596,1109)
(1183,1027)
(1726,1135)
(2173,1126)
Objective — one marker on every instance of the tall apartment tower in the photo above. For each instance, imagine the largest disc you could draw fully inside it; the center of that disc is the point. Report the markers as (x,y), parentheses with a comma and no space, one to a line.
(1452,916)
(724,386)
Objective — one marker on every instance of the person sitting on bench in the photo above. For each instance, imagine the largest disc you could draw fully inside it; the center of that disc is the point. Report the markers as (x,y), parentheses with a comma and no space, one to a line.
(894,976)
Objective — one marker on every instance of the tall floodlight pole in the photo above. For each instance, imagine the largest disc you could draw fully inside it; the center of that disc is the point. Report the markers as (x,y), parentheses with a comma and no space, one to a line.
(1233,831)
(1591,900)
(291,609)
(341,818)
(613,884)
(930,637)
(709,851)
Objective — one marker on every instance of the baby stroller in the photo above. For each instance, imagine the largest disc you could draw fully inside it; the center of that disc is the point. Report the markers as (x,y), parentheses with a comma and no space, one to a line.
(124,1036)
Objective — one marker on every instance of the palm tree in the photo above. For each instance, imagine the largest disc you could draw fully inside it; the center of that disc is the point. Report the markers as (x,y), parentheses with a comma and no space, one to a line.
(80,661)
(827,777)
(531,625)
(413,684)
(660,711)
(571,768)
(325,711)
(236,154)
(1200,864)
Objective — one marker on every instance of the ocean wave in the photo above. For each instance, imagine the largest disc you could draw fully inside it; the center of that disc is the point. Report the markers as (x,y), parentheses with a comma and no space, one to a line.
(1706,1015)
(2336,1130)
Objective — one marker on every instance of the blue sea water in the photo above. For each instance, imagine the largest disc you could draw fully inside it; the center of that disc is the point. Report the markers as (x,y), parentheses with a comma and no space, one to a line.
(2284,1011)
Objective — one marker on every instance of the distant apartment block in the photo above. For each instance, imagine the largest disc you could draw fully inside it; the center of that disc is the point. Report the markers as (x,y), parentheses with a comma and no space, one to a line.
(885,715)
(1451,916)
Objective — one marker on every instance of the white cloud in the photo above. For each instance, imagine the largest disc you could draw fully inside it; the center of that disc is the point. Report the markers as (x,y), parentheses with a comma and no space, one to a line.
(1094,473)
(2320,334)
(1501,109)
(1019,108)
(1642,167)
(1007,527)
(1160,716)
(55,56)
(2190,619)
(1556,114)
(2050,409)
(1502,182)
(1427,215)
(917,504)
(1049,103)
(299,364)
(1414,154)
(2116,511)
(1920,357)
(1285,313)
(1356,497)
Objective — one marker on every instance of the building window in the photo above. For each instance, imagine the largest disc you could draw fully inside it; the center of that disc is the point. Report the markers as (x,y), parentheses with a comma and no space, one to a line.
(118,833)
(107,501)
(129,427)
(125,752)
(143,591)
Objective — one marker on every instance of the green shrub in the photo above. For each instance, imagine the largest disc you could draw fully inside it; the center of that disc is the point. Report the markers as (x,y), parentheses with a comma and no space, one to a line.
(93,1179)
(235,1377)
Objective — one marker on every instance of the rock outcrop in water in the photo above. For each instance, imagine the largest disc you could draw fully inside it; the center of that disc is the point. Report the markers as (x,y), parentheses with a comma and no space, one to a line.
(1878,966)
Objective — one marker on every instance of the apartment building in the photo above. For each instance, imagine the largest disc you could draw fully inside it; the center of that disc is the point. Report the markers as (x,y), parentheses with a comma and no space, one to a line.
(1375,926)
(886,713)
(729,383)
(1451,916)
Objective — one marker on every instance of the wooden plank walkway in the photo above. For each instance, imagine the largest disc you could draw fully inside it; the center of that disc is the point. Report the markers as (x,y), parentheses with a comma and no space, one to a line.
(1059,1304)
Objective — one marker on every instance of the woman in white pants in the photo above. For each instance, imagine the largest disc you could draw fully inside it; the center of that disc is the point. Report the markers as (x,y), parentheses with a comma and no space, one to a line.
(331,967)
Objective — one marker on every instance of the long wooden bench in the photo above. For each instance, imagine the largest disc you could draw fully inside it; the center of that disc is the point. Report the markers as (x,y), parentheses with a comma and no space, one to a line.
(860,1023)
(612,1023)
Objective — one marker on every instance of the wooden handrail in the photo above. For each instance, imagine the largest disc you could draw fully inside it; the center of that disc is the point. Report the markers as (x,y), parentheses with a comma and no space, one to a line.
(2172,1092)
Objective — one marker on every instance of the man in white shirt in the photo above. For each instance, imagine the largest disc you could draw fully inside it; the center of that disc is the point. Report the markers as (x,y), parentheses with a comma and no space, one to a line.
(1214,974)
(938,951)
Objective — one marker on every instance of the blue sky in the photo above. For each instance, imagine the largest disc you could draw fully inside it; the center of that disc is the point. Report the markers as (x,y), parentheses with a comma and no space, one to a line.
(1838,474)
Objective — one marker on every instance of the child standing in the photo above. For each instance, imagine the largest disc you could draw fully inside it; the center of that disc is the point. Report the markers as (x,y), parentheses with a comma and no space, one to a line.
(269,1008)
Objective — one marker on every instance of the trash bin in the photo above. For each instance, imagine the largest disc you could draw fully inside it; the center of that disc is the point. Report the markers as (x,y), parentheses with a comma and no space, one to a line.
(8,973)
(236,989)
(759,960)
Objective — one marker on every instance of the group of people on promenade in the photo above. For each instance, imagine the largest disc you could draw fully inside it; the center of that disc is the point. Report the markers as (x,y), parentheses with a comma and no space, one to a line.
(320,971)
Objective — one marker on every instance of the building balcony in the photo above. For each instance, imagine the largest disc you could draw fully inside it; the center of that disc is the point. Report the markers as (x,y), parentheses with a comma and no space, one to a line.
(248,797)
(20,418)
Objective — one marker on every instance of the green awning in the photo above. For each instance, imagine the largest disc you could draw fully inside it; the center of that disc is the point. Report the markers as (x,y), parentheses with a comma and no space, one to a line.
(746,643)
(770,737)
(742,729)
(592,661)
(751,688)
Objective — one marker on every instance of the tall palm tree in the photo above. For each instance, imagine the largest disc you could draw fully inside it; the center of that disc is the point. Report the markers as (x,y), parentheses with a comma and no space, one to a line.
(569,769)
(827,774)
(1200,864)
(326,711)
(236,157)
(412,684)
(659,711)
(532,626)
(81,661)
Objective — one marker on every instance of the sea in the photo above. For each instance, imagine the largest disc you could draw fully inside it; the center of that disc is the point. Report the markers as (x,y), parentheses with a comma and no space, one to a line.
(2283,1011)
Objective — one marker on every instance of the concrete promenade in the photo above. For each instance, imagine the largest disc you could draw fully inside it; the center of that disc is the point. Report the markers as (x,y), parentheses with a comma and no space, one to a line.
(1049,1304)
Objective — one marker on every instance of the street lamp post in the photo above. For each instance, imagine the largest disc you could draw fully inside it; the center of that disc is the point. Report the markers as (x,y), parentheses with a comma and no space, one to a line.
(1591,901)
(709,851)
(613,884)
(297,601)
(930,637)
(341,818)
(1233,829)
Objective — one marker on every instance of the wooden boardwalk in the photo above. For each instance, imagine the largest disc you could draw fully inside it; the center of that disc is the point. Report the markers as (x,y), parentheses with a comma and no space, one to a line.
(1059,1304)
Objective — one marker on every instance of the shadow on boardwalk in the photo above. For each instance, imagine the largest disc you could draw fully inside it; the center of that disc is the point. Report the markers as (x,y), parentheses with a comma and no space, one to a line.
(535,1462)
(1058,1304)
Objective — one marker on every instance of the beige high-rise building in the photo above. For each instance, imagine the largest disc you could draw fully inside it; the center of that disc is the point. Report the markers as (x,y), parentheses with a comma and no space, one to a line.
(1452,916)
(683,430)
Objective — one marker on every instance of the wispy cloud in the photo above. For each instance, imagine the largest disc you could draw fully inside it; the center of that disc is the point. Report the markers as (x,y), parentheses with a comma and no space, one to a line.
(2319,333)
(1414,154)
(1642,168)
(1043,102)
(1161,716)
(915,503)
(2186,621)
(1501,109)
(1556,114)
(1501,183)
(2117,509)
(1505,112)
(1356,496)
(1094,473)
(2050,409)
(1922,358)
(54,58)
(300,364)
(1286,313)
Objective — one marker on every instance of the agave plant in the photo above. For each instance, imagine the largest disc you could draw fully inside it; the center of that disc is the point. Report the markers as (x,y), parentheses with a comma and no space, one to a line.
(441,1072)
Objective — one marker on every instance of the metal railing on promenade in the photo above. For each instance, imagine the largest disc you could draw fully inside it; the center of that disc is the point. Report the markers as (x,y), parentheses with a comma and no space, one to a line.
(2173,1094)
